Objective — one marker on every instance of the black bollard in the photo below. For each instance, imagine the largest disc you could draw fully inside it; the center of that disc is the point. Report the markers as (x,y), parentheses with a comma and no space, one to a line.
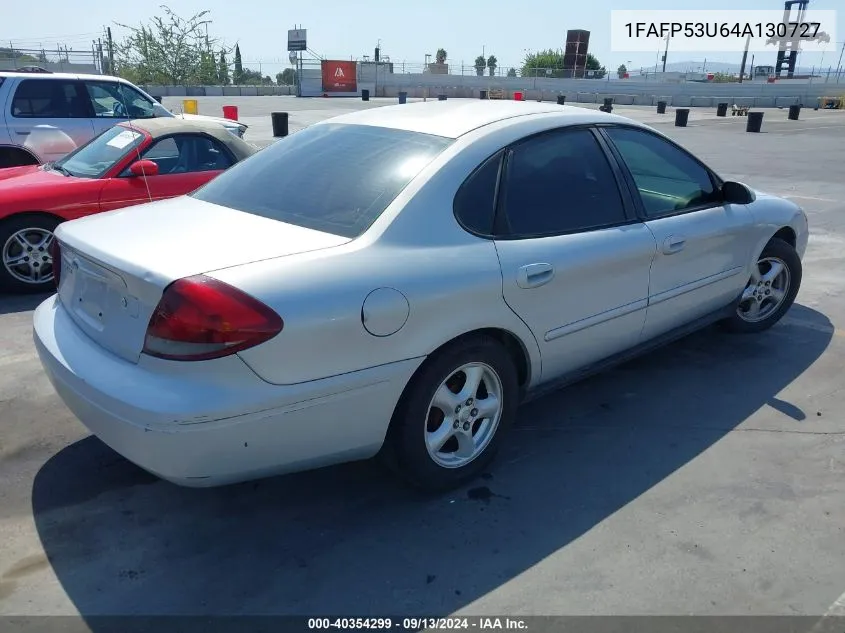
(755,122)
(403,97)
(661,107)
(681,117)
(280,123)
(794,111)
(561,99)
(365,95)
(608,104)
(441,97)
(722,109)
(482,94)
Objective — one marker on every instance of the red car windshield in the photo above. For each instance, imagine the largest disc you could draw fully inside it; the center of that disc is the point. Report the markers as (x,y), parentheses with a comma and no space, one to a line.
(96,157)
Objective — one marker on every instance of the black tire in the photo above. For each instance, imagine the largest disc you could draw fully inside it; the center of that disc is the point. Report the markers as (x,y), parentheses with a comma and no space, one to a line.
(405,450)
(783,251)
(8,282)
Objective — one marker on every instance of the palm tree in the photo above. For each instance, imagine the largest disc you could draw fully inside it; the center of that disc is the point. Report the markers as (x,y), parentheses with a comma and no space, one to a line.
(492,64)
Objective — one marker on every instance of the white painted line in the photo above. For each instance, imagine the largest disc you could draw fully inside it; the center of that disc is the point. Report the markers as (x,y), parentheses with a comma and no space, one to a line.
(838,607)
(818,127)
(836,610)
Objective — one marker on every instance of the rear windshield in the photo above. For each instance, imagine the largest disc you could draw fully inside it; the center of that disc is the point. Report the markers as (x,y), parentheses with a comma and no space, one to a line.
(333,178)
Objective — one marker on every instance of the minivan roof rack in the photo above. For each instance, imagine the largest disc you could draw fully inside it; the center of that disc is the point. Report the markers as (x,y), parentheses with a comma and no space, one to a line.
(32,69)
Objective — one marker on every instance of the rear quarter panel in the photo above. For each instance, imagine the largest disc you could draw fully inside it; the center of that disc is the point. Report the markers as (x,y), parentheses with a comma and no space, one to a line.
(449,291)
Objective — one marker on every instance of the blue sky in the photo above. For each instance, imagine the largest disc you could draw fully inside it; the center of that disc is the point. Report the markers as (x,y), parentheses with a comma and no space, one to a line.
(408,30)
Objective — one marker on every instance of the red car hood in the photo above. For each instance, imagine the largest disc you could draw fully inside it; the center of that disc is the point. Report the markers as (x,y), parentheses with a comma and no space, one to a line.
(32,188)
(31,175)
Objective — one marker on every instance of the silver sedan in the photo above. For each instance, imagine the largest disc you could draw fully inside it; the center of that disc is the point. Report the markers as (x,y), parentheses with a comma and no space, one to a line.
(394,282)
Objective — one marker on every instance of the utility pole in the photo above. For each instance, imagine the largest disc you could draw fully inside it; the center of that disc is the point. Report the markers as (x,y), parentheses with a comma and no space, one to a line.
(111,50)
(666,53)
(839,63)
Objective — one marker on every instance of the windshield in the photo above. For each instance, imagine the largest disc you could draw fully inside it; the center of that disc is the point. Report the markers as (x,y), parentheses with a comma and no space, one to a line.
(96,157)
(333,178)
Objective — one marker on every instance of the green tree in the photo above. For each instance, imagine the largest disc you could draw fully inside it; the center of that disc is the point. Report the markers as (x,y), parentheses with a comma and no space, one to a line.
(492,64)
(208,71)
(249,77)
(543,63)
(512,72)
(480,65)
(621,71)
(223,69)
(549,63)
(237,75)
(168,50)
(440,56)
(287,77)
(594,64)
(10,53)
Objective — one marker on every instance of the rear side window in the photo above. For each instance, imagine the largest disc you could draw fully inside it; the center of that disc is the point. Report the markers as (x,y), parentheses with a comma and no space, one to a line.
(334,178)
(50,99)
(475,202)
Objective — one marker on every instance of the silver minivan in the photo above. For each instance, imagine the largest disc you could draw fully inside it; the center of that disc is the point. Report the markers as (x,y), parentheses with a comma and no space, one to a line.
(45,115)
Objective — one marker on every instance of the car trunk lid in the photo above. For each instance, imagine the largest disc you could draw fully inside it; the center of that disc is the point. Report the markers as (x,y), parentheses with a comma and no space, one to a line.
(116,265)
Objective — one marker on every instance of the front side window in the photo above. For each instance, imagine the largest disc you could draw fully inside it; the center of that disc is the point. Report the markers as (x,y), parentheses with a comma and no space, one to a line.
(114,100)
(336,178)
(668,179)
(96,157)
(560,182)
(187,153)
(49,99)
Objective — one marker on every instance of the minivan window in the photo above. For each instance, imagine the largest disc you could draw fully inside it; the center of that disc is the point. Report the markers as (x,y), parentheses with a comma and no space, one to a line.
(49,99)
(335,178)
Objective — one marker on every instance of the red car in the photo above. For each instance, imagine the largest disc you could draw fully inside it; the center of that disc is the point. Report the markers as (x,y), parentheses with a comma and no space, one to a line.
(131,163)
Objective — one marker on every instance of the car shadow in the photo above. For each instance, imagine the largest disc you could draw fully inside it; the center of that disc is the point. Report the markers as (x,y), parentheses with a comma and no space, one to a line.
(351,540)
(12,304)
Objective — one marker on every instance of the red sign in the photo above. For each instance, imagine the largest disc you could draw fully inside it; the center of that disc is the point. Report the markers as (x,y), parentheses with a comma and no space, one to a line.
(340,76)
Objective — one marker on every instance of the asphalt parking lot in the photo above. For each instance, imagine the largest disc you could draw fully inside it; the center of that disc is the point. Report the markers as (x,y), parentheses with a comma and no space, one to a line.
(705,478)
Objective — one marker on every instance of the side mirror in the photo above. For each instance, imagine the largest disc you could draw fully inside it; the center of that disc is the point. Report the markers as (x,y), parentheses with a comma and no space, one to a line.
(143,168)
(737,193)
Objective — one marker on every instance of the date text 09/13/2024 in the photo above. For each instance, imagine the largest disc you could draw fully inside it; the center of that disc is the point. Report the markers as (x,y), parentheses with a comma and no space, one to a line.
(418,623)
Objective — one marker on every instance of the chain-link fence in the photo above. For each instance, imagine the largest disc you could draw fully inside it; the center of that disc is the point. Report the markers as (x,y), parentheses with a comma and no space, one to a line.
(58,60)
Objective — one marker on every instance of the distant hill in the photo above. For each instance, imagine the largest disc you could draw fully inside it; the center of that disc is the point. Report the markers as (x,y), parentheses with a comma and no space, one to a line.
(713,67)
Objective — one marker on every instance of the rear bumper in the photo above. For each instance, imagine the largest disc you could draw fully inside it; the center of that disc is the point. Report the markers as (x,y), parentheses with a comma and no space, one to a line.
(216,422)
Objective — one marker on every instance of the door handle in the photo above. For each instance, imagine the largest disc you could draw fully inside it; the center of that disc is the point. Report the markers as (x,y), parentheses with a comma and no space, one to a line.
(674,244)
(534,275)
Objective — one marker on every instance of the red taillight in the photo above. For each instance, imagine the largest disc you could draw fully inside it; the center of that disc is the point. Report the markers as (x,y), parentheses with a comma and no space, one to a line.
(56,256)
(200,318)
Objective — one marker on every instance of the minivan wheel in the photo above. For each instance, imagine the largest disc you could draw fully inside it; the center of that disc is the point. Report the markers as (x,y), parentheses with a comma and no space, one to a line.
(26,266)
(453,414)
(771,291)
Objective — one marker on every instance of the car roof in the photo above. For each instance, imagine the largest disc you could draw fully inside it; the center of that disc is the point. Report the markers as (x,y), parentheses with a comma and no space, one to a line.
(456,117)
(164,126)
(52,75)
